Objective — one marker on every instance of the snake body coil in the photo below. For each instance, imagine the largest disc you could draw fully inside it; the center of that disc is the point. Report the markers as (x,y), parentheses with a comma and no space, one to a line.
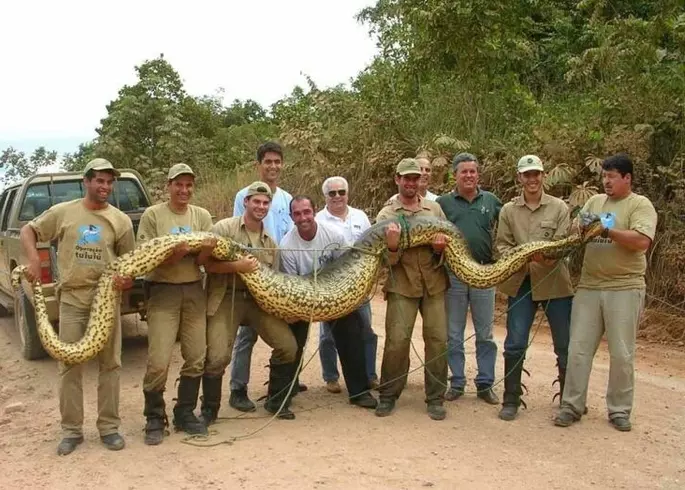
(338,289)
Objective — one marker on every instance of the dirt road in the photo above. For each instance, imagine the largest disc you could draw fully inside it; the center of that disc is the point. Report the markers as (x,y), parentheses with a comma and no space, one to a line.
(334,445)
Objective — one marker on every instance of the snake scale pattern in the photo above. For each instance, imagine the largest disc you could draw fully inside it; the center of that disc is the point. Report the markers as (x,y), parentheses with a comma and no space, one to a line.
(338,288)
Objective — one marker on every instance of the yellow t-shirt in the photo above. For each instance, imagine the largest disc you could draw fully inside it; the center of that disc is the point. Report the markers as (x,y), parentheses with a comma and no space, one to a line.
(88,240)
(610,266)
(160,220)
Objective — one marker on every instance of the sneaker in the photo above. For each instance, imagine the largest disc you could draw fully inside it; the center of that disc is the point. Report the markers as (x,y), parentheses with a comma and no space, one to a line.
(453,393)
(240,401)
(621,423)
(436,411)
(365,400)
(565,419)
(333,387)
(113,442)
(68,444)
(385,407)
(486,394)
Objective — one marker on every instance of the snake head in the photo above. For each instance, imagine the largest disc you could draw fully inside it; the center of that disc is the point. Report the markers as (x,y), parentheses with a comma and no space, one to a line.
(590,225)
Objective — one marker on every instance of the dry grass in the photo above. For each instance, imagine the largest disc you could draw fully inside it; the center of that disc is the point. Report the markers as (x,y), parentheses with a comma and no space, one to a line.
(216,190)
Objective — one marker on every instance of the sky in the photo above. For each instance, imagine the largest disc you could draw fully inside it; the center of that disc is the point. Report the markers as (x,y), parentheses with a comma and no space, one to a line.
(64,61)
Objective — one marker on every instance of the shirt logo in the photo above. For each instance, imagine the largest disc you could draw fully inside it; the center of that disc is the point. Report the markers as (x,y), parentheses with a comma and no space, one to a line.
(89,234)
(608,220)
(180,230)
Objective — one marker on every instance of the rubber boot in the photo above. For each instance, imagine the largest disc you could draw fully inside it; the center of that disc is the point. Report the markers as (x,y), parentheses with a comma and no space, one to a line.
(211,399)
(280,377)
(155,415)
(184,418)
(513,366)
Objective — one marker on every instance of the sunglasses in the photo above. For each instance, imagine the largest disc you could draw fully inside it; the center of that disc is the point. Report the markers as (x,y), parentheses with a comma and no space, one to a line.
(340,192)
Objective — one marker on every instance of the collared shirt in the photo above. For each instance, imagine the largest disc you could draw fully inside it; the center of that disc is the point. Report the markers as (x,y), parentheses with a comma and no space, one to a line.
(352,227)
(519,224)
(234,228)
(476,220)
(414,270)
(277,221)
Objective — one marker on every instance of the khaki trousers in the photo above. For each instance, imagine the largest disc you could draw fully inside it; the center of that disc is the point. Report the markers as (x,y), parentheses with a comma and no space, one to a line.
(595,312)
(399,325)
(173,310)
(72,326)
(223,326)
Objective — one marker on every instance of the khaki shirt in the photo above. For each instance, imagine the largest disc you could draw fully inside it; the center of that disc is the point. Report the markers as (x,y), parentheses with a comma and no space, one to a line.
(519,224)
(160,220)
(234,228)
(609,266)
(88,240)
(414,270)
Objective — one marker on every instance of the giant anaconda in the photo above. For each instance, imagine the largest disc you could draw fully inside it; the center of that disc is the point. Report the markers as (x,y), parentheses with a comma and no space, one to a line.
(339,288)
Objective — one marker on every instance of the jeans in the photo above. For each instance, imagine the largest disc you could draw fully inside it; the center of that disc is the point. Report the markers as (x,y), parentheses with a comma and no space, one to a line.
(328,353)
(458,298)
(520,317)
(242,356)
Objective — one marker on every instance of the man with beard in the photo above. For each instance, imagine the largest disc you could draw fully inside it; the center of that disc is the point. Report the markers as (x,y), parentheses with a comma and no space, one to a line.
(305,249)
(415,283)
(475,212)
(230,304)
(277,222)
(176,307)
(91,233)
(610,295)
(533,216)
(351,223)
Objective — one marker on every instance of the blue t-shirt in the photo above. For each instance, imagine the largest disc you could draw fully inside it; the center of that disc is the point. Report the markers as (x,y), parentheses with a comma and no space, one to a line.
(277,221)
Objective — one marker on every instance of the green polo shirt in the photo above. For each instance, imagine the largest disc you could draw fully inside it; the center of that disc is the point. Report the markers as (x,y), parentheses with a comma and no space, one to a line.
(475,219)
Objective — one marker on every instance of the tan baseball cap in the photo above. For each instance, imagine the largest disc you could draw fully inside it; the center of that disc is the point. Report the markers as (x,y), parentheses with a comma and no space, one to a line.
(180,169)
(408,166)
(100,165)
(259,187)
(529,162)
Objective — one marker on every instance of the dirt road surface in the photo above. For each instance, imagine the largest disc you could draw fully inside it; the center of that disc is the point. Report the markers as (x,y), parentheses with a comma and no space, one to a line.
(334,445)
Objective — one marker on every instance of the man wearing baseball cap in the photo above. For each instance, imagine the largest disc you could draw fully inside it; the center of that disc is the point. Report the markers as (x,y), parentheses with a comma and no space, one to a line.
(416,283)
(176,306)
(532,216)
(101,165)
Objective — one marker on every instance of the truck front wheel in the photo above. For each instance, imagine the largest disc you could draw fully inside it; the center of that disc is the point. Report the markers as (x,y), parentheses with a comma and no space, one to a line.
(25,320)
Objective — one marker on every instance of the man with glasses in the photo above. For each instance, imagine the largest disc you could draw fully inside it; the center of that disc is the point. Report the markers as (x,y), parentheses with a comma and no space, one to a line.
(277,222)
(351,223)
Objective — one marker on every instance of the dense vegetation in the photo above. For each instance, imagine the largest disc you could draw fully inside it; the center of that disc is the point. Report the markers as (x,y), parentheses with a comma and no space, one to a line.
(572,81)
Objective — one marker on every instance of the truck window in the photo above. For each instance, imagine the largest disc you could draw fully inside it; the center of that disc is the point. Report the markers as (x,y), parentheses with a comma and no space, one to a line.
(39,197)
(3,199)
(8,208)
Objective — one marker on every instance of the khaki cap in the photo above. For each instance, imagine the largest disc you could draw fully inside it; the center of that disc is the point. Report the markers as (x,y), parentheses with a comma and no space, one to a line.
(99,165)
(529,162)
(259,187)
(180,169)
(408,166)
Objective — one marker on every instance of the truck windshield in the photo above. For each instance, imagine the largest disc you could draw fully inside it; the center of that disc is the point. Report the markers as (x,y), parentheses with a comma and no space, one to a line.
(127,196)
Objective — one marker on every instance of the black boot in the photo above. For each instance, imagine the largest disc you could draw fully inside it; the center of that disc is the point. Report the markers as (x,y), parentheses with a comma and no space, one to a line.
(155,415)
(184,418)
(211,399)
(513,366)
(280,377)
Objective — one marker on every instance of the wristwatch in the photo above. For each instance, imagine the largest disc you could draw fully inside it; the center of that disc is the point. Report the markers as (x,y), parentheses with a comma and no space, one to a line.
(605,233)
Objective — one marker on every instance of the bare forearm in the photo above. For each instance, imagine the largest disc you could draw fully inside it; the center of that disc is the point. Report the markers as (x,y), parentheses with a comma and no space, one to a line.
(630,239)
(203,257)
(27,236)
(221,266)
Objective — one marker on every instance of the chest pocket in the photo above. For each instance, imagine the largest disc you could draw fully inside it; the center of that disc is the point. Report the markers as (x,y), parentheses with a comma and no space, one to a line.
(547,229)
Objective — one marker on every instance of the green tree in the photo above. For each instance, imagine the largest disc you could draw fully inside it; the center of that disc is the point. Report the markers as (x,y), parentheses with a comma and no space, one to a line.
(18,166)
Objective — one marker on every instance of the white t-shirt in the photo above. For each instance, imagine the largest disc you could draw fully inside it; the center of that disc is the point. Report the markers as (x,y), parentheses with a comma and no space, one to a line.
(352,227)
(430,196)
(298,255)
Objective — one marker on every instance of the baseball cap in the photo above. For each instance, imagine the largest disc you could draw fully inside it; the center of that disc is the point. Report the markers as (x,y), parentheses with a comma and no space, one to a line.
(259,187)
(180,169)
(408,166)
(99,165)
(529,162)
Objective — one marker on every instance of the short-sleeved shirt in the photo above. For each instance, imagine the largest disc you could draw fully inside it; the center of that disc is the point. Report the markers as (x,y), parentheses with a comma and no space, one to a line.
(277,221)
(476,220)
(301,257)
(352,227)
(160,220)
(413,271)
(234,228)
(87,241)
(610,266)
(519,224)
